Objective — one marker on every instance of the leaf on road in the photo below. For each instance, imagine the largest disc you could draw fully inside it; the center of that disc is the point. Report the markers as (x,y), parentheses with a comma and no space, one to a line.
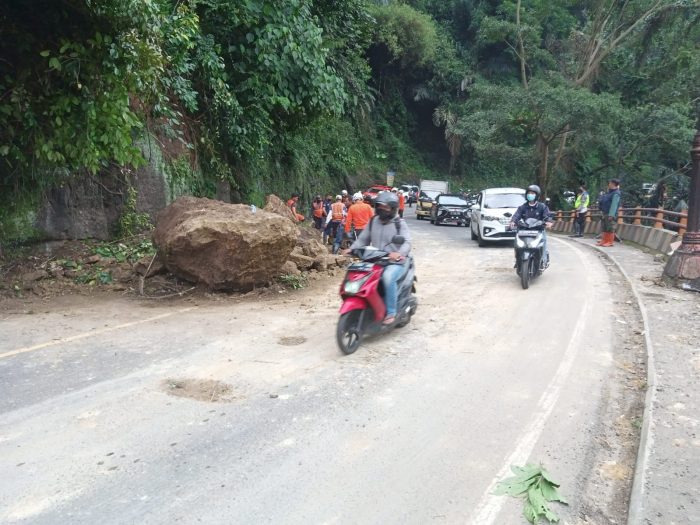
(536,487)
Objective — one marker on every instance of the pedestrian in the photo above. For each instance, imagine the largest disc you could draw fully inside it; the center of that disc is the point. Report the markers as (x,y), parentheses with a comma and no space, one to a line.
(358,215)
(402,203)
(318,211)
(609,207)
(335,221)
(581,210)
(292,203)
(346,199)
(327,206)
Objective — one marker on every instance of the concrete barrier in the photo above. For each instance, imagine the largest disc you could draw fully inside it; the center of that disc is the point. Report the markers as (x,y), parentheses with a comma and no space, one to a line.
(657,239)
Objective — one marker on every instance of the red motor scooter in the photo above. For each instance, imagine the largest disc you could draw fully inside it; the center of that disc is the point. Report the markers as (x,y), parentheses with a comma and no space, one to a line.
(363,309)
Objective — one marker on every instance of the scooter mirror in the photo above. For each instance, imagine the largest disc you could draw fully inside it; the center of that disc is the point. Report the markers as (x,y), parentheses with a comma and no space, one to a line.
(397,240)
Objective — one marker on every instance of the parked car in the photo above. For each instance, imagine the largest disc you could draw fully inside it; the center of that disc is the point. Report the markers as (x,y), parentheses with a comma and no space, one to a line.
(375,190)
(450,208)
(491,214)
(425,202)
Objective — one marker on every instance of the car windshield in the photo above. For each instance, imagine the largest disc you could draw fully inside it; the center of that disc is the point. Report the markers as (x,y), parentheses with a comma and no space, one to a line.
(429,194)
(452,200)
(503,200)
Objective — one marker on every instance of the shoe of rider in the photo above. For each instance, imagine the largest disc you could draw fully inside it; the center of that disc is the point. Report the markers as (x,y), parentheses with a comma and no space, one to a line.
(380,233)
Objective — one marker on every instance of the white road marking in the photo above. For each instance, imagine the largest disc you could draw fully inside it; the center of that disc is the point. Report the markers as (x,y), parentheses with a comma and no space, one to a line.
(489,506)
(93,333)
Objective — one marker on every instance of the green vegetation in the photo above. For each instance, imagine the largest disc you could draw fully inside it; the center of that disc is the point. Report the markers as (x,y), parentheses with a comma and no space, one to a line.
(536,488)
(315,95)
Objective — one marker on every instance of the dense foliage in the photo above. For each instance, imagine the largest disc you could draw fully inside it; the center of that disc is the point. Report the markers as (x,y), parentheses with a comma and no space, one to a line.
(312,95)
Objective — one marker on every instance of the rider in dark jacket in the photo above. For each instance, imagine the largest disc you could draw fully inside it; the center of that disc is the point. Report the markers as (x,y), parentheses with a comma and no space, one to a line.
(534,209)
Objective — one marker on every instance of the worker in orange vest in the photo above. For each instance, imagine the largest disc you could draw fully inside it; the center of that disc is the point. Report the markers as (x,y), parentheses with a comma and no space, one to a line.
(358,216)
(318,212)
(402,203)
(334,220)
(292,203)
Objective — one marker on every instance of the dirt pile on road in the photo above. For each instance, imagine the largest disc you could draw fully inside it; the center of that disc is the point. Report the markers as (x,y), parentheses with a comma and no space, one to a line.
(224,246)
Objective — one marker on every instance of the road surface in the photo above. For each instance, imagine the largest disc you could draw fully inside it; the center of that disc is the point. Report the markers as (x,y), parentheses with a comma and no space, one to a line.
(416,427)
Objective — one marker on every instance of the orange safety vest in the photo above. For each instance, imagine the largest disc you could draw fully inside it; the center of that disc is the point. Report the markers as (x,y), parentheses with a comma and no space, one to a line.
(337,211)
(402,202)
(319,210)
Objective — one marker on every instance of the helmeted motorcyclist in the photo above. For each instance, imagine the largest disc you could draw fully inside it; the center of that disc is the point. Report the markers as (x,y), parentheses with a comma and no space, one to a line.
(380,233)
(534,209)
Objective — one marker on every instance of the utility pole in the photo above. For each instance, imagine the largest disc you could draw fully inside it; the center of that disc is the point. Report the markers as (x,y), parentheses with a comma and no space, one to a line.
(684,264)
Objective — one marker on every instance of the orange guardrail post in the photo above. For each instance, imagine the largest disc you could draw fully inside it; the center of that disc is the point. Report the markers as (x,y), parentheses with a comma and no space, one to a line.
(659,218)
(559,216)
(637,215)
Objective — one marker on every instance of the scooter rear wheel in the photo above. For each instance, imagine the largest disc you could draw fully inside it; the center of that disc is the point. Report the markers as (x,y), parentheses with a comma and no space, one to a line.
(349,331)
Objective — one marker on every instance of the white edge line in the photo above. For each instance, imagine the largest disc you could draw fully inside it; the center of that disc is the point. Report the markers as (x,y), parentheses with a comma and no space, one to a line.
(488,508)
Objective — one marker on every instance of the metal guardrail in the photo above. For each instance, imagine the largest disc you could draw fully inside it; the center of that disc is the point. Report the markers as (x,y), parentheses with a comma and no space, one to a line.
(654,217)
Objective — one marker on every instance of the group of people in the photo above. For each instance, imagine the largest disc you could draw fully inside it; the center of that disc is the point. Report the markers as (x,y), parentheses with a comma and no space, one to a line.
(344,216)
(609,203)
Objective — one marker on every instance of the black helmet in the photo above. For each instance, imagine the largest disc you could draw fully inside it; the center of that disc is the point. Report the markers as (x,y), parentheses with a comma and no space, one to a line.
(534,188)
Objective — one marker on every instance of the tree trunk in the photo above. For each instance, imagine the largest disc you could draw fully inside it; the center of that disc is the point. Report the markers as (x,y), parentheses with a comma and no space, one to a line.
(542,147)
(521,48)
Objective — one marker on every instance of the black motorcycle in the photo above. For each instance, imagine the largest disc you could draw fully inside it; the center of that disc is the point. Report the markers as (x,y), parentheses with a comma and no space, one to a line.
(530,258)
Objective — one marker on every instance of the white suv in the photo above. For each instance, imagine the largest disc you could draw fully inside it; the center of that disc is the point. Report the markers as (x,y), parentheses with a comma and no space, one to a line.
(492,212)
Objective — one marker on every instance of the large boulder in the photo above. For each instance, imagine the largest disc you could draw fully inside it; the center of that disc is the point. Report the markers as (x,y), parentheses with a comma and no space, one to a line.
(225,246)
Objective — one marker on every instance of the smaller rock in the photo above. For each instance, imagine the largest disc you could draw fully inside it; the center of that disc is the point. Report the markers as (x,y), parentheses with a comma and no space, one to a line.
(312,247)
(320,263)
(142,265)
(302,261)
(289,268)
(93,259)
(38,275)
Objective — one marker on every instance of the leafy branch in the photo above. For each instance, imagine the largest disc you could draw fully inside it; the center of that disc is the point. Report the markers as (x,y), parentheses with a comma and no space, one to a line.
(534,485)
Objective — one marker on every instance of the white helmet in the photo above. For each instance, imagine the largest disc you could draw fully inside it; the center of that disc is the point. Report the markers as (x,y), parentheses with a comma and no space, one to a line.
(357,196)
(338,198)
(344,192)
(394,190)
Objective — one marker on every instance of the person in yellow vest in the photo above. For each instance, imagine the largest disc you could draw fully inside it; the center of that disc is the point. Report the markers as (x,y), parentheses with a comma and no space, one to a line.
(581,210)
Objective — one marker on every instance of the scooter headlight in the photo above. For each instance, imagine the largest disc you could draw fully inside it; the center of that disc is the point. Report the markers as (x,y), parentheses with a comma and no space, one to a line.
(352,287)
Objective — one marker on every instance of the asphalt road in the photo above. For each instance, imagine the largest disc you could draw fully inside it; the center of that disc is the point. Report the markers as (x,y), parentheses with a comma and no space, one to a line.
(416,427)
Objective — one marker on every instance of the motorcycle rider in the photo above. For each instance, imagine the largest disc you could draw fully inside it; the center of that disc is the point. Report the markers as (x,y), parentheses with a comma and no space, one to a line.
(380,233)
(534,209)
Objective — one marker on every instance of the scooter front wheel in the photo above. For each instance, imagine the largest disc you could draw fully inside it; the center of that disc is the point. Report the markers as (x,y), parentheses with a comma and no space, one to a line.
(349,331)
(526,271)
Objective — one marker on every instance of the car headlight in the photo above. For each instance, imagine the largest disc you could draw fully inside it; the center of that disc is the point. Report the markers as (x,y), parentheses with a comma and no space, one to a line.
(490,218)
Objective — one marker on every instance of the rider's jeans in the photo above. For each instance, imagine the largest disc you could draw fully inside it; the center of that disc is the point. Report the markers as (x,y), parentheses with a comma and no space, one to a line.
(392,274)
